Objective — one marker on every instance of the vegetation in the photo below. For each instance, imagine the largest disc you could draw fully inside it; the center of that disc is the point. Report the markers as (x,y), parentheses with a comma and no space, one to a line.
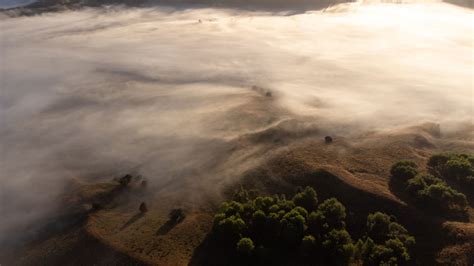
(454,167)
(386,242)
(429,191)
(245,246)
(402,171)
(261,228)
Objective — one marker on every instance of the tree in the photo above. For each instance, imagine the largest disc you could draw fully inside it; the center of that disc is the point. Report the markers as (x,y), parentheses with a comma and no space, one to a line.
(292,227)
(334,213)
(457,168)
(230,229)
(308,244)
(437,161)
(272,229)
(264,203)
(378,226)
(402,171)
(125,180)
(258,225)
(245,246)
(387,242)
(435,193)
(143,207)
(307,199)
(286,205)
(231,208)
(338,246)
(315,223)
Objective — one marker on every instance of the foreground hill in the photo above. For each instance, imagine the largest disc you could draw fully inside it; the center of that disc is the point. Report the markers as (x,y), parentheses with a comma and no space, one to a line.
(354,171)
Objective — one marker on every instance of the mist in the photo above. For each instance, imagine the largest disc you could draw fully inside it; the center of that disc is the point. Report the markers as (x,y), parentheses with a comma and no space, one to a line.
(93,94)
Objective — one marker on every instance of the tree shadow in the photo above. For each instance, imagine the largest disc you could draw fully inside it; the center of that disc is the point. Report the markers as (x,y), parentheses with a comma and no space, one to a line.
(133,219)
(165,228)
(221,254)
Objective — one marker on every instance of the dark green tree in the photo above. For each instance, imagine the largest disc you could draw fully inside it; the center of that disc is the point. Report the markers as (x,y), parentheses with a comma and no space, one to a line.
(338,246)
(402,171)
(307,199)
(245,247)
(292,227)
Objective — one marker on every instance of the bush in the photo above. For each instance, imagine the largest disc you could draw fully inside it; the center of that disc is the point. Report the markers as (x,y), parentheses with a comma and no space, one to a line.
(245,246)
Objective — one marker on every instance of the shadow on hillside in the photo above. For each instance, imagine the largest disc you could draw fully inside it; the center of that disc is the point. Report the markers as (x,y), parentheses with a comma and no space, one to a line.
(132,220)
(168,226)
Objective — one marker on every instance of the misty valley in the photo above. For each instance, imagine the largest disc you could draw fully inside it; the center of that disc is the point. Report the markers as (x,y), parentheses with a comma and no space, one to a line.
(260,132)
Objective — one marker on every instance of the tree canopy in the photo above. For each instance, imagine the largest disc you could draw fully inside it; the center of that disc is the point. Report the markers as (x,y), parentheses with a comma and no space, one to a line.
(263,227)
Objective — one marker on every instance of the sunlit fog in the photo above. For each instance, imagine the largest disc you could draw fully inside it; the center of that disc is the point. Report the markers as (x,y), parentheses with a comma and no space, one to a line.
(95,93)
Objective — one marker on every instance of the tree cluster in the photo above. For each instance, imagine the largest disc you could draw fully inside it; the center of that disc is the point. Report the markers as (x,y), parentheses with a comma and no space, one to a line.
(386,242)
(261,227)
(427,190)
(456,167)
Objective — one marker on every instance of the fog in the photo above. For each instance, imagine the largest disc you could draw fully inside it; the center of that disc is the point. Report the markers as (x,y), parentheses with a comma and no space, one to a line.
(93,94)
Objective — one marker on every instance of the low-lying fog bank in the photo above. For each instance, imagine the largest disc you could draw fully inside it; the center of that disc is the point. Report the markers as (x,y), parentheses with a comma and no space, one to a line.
(93,94)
